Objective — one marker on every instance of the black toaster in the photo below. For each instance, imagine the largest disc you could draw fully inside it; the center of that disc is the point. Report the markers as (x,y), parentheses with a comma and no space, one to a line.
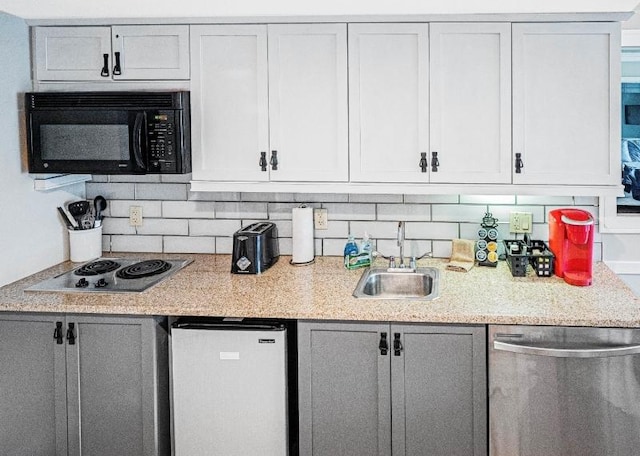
(255,248)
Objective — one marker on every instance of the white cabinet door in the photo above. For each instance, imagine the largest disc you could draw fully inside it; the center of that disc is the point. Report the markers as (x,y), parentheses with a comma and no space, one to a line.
(388,102)
(565,98)
(229,102)
(73,53)
(151,52)
(470,83)
(308,101)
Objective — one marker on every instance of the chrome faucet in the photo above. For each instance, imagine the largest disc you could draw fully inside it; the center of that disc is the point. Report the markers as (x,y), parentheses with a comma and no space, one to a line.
(401,243)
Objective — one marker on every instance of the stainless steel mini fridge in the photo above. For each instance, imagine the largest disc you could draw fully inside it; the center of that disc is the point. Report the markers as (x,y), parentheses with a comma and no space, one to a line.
(229,388)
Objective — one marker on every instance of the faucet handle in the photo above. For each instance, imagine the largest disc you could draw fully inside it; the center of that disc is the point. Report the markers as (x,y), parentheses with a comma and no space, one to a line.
(392,262)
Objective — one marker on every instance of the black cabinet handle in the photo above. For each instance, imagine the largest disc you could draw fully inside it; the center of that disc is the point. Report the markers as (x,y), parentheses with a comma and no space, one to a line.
(263,161)
(397,344)
(274,160)
(116,68)
(519,163)
(105,66)
(423,162)
(57,333)
(71,337)
(384,345)
(434,162)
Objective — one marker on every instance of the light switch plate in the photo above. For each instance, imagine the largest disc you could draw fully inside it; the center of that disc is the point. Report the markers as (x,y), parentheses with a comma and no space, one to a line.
(520,222)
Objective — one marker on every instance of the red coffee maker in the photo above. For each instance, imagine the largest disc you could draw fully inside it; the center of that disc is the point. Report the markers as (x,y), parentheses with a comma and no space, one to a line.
(571,241)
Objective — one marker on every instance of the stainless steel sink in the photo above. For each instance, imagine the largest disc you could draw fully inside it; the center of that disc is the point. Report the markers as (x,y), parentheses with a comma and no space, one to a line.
(396,283)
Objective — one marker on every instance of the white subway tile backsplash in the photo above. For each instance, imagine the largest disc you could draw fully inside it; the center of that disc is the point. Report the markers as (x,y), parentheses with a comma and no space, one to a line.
(285,245)
(376,230)
(136,243)
(502,213)
(149,178)
(411,248)
(284,228)
(404,212)
(432,199)
(201,227)
(333,247)
(545,200)
(120,208)
(282,211)
(172,192)
(232,210)
(188,209)
(186,244)
(457,213)
(106,243)
(442,249)
(224,245)
(431,230)
(122,191)
(164,226)
(337,229)
(111,225)
(214,196)
(266,197)
(487,199)
(350,211)
(375,198)
(586,200)
(321,197)
(176,178)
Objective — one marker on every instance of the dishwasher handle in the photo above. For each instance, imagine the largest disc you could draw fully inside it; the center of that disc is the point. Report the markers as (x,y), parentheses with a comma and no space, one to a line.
(587,352)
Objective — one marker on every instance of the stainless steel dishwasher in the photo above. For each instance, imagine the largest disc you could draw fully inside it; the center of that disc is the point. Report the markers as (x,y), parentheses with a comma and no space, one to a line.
(560,391)
(229,388)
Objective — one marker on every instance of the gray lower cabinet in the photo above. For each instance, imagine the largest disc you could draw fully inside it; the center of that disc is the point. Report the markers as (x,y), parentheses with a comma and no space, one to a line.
(387,389)
(83,385)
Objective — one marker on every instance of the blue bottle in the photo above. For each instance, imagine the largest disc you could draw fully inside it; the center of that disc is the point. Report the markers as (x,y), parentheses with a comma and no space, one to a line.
(350,249)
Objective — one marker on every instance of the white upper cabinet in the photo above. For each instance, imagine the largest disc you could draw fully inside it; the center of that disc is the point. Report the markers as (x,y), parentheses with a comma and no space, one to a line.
(269,112)
(470,103)
(566,88)
(308,102)
(144,52)
(430,103)
(229,102)
(388,102)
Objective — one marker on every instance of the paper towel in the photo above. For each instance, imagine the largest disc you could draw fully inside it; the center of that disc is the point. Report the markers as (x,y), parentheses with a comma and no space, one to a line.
(303,244)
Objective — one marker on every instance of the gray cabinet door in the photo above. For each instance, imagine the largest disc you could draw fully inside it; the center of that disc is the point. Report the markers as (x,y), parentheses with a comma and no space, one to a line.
(344,390)
(112,387)
(33,418)
(439,392)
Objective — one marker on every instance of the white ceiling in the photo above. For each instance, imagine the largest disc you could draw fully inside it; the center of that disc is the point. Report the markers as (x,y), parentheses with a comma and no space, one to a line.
(70,9)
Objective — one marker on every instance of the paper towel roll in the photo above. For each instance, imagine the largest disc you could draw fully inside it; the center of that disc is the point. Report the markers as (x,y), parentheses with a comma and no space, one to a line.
(303,244)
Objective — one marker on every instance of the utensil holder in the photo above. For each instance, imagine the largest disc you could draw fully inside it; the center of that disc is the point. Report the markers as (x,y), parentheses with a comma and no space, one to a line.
(85,245)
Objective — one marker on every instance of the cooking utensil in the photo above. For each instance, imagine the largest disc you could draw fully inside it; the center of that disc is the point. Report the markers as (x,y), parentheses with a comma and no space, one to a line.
(87,221)
(77,209)
(68,219)
(99,205)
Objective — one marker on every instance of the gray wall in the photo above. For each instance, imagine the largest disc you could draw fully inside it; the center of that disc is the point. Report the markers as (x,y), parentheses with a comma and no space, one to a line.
(31,235)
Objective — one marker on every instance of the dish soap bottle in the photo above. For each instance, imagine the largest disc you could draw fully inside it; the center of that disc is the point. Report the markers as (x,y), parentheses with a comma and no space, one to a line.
(365,247)
(350,249)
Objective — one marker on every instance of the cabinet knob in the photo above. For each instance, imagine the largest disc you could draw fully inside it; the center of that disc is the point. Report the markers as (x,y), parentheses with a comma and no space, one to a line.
(397,345)
(274,160)
(263,161)
(116,68)
(423,162)
(57,333)
(519,163)
(383,345)
(71,337)
(105,66)
(434,162)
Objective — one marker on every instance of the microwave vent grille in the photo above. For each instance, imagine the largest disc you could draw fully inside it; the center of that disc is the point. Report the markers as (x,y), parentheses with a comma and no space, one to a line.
(102,100)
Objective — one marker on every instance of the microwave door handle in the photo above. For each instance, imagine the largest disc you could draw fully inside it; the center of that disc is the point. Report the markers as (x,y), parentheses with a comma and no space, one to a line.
(137,141)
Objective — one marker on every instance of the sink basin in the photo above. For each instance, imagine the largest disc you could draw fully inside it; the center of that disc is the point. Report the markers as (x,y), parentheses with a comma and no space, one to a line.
(397,283)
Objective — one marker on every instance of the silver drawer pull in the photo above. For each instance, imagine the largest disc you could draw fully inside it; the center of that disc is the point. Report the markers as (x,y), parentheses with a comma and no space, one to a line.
(593,352)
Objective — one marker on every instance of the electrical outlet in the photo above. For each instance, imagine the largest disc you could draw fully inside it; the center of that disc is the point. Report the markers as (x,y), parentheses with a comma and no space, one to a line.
(320,221)
(135,215)
(520,222)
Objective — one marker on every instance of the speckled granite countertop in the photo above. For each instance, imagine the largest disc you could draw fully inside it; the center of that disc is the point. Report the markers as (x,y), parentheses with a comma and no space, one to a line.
(323,291)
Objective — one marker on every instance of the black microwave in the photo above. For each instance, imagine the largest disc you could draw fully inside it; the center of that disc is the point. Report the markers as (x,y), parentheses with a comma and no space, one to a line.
(108,132)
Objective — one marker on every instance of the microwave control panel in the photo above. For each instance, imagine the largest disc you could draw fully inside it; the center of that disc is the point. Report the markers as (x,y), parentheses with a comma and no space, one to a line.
(161,140)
